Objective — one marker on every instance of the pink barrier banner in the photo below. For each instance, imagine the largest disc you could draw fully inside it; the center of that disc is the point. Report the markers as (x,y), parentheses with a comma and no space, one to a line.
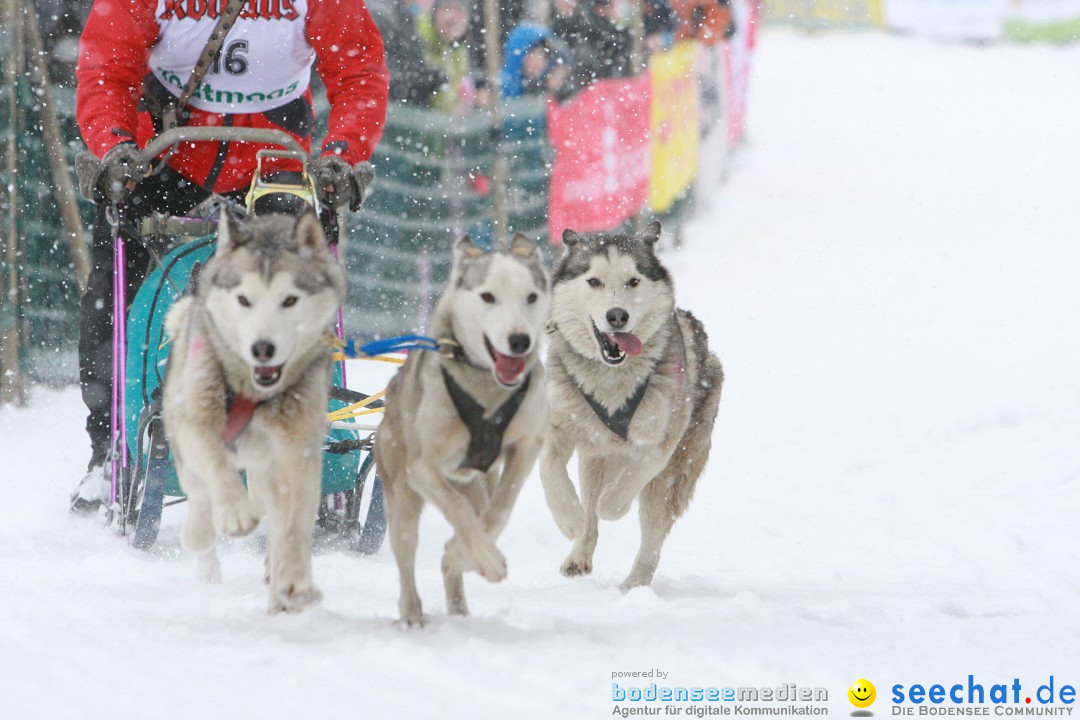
(600,176)
(738,53)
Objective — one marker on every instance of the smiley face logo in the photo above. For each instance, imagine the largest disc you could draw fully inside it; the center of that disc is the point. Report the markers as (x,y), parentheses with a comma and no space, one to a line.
(862,693)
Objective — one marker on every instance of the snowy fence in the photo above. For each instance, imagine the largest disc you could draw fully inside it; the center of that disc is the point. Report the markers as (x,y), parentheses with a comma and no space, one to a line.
(434,183)
(46,288)
(621,148)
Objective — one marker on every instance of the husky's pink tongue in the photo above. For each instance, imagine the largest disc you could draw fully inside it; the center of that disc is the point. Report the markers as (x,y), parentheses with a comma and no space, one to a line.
(508,368)
(628,342)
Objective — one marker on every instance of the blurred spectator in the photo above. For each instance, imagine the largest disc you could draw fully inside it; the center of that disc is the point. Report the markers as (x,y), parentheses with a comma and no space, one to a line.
(598,33)
(658,19)
(412,80)
(536,62)
(511,13)
(709,21)
(660,24)
(600,48)
(442,33)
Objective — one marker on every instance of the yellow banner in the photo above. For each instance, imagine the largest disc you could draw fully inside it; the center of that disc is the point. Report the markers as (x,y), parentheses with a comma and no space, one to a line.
(675,131)
(824,13)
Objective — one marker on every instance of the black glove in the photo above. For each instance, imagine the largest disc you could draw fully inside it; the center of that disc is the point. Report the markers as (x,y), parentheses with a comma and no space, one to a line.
(340,184)
(121,167)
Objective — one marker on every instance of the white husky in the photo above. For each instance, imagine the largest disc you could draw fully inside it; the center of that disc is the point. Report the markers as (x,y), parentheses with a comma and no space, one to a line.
(247,390)
(462,429)
(634,391)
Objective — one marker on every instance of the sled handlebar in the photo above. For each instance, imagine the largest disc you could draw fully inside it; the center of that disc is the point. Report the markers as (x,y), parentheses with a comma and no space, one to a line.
(172,137)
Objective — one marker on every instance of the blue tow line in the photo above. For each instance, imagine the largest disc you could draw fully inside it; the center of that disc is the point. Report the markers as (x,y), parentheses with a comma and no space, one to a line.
(389,345)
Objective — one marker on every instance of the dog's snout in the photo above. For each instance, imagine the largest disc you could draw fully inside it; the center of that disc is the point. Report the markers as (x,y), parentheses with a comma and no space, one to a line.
(519,343)
(617,318)
(263,351)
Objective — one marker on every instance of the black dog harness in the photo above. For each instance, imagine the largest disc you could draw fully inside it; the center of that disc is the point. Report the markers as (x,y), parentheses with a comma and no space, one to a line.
(485,435)
(619,421)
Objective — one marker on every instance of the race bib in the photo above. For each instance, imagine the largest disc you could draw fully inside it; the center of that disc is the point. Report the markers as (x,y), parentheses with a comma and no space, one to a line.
(265,62)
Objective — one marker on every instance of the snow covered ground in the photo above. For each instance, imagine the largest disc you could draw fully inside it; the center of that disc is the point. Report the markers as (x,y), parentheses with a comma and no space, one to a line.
(891,280)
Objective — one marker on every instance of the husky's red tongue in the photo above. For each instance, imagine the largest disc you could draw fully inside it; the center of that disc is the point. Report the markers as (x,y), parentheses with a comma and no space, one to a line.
(627,342)
(508,368)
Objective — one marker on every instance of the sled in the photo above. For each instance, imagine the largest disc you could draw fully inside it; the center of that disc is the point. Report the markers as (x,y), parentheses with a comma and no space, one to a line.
(143,478)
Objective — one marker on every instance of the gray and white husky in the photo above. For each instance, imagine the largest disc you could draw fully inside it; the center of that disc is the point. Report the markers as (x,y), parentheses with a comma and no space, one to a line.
(463,427)
(247,389)
(633,389)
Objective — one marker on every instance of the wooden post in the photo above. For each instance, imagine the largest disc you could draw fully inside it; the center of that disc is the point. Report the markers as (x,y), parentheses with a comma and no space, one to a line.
(12,389)
(500,171)
(638,64)
(54,148)
(638,59)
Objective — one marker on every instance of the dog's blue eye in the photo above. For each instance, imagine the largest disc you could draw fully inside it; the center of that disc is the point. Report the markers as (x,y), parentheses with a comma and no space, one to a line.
(289,301)
(487,297)
(633,282)
(244,302)
(532,298)
(595,282)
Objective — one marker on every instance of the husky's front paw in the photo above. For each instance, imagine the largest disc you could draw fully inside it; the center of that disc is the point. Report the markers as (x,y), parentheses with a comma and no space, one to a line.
(294,597)
(634,581)
(490,563)
(411,613)
(576,564)
(236,519)
(458,606)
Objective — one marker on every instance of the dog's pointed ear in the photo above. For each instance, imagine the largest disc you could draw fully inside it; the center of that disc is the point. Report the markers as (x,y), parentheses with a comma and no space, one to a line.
(571,238)
(652,234)
(308,232)
(228,234)
(522,247)
(465,250)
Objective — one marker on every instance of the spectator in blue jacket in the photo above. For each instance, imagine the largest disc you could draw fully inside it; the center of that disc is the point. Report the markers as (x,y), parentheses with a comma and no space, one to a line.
(535,62)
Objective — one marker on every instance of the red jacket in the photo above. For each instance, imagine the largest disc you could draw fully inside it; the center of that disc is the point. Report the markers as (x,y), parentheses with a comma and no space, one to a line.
(114,58)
